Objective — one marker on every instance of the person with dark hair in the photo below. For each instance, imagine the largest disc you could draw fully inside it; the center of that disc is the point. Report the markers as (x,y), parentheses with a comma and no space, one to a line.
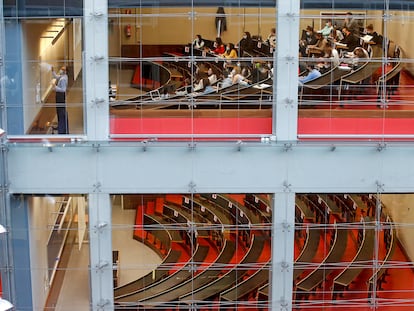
(271,38)
(220,21)
(350,39)
(326,30)
(376,38)
(246,44)
(198,42)
(351,23)
(313,74)
(230,51)
(219,47)
(308,38)
(60,85)
(317,48)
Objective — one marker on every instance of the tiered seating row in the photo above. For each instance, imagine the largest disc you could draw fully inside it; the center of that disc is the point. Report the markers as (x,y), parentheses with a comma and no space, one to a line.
(240,271)
(215,218)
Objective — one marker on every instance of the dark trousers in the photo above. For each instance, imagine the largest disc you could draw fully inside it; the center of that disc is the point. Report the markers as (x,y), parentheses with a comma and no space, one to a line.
(62,115)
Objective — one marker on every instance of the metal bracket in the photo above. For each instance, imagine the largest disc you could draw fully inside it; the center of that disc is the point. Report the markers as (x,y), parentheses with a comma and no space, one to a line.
(97,58)
(103,303)
(101,265)
(98,101)
(101,226)
(287,147)
(289,102)
(287,186)
(381,146)
(97,147)
(380,186)
(191,187)
(286,226)
(97,187)
(192,145)
(285,266)
(239,144)
(96,15)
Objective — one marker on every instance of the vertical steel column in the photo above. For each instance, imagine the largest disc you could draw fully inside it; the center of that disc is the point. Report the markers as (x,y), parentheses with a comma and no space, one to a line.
(285,84)
(6,256)
(100,236)
(95,69)
(283,239)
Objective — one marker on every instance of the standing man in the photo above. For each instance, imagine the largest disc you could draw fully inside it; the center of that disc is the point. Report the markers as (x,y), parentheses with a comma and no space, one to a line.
(351,23)
(60,87)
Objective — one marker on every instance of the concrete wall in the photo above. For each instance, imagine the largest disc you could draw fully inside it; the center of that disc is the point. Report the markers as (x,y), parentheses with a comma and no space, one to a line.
(160,28)
(39,208)
(401,208)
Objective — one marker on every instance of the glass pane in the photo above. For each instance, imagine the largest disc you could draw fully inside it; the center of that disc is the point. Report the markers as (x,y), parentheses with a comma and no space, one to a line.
(357,86)
(44,59)
(170,84)
(349,252)
(58,238)
(208,250)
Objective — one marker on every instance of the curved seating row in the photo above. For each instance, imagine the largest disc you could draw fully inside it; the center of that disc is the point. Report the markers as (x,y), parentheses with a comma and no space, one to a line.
(230,277)
(317,276)
(186,272)
(209,215)
(358,263)
(335,80)
(165,237)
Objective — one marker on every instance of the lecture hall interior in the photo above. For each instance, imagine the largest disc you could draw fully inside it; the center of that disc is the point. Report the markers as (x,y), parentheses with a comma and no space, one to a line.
(207,155)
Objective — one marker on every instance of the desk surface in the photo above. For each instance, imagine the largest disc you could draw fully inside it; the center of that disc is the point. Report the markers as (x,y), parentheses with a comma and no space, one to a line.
(201,279)
(256,280)
(232,276)
(148,279)
(312,280)
(365,253)
(172,280)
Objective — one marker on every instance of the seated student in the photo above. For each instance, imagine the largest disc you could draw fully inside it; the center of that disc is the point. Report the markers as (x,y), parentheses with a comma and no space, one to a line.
(329,60)
(212,78)
(198,42)
(206,87)
(246,44)
(219,47)
(271,38)
(319,47)
(335,35)
(211,75)
(260,72)
(376,38)
(326,31)
(230,52)
(313,74)
(354,58)
(308,38)
(350,39)
(235,77)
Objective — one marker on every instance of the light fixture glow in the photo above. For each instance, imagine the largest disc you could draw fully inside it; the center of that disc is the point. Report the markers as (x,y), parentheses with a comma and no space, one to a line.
(5,305)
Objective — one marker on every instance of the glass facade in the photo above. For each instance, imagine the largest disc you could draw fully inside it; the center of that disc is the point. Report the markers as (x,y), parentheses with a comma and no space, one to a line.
(198,155)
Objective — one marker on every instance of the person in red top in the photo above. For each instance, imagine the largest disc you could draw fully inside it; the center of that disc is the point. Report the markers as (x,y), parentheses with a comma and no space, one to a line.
(219,47)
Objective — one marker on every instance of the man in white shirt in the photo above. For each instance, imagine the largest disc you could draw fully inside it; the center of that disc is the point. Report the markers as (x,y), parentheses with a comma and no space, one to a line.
(60,85)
